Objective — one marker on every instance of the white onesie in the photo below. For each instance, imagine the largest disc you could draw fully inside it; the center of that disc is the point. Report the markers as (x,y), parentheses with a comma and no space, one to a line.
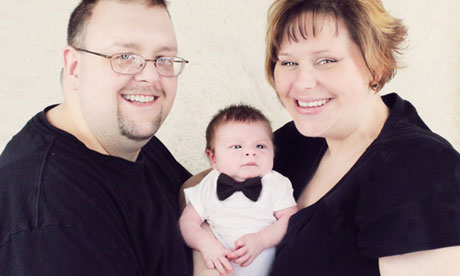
(237,215)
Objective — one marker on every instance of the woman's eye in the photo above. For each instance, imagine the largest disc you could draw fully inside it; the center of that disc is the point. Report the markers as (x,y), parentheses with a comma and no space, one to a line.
(260,146)
(326,61)
(288,63)
(236,147)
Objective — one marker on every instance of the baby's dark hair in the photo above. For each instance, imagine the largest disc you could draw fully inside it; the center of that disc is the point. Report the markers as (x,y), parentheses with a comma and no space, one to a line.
(241,113)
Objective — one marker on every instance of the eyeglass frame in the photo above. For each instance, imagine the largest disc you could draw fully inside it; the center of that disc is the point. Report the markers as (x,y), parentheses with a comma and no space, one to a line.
(110,57)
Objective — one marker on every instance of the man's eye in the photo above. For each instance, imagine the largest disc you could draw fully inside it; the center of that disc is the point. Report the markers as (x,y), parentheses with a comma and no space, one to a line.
(260,146)
(236,147)
(126,56)
(165,60)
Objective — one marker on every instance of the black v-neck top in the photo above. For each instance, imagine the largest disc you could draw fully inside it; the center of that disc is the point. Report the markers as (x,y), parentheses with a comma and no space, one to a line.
(401,196)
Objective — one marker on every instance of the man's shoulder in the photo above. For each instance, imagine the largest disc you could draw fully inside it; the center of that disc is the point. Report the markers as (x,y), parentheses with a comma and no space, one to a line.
(47,181)
(21,165)
(161,161)
(26,144)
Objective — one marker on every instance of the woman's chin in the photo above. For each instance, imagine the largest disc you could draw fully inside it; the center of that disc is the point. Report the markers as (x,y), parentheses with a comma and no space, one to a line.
(308,129)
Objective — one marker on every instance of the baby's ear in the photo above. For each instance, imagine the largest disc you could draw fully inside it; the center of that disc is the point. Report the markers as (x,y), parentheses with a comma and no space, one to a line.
(211,157)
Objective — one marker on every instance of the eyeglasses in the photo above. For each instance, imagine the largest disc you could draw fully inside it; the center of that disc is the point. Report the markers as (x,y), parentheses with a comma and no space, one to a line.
(131,64)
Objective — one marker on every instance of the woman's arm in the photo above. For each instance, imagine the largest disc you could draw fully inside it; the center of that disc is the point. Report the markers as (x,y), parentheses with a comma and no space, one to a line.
(443,261)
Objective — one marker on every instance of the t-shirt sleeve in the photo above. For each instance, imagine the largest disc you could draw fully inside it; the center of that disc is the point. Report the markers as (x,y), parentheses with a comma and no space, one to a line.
(282,192)
(410,201)
(55,250)
(199,194)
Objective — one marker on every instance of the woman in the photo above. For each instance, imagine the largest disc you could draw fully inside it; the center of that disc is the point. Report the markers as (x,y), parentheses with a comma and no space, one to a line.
(378,192)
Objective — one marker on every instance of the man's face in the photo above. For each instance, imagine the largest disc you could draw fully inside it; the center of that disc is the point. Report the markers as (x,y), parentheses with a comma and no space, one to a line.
(124,111)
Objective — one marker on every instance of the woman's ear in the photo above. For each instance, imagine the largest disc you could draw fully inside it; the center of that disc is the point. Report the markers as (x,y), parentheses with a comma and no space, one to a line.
(71,67)
(375,81)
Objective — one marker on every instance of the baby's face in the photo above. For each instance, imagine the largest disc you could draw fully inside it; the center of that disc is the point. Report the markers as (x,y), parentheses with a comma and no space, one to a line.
(242,150)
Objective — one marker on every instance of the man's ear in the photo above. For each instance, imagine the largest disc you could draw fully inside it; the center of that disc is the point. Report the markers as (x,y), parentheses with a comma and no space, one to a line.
(71,67)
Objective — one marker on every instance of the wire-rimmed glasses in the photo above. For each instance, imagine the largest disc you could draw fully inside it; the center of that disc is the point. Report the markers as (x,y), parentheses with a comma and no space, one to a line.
(131,64)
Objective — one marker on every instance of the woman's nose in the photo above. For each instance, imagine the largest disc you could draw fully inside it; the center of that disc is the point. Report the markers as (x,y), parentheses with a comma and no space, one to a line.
(305,79)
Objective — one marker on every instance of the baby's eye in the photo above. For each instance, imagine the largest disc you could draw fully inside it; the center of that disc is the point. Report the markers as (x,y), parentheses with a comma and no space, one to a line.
(260,146)
(236,147)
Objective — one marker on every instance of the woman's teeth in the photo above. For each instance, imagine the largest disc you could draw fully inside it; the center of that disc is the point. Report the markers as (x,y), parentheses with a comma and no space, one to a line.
(312,103)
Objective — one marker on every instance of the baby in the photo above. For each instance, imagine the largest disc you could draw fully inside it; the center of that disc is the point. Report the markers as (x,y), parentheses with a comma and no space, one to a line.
(245,202)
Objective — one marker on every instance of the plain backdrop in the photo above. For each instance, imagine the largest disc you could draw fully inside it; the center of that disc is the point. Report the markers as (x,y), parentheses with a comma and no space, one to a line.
(224,41)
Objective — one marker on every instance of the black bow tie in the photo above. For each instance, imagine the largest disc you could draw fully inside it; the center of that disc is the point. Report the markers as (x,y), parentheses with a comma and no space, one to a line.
(226,186)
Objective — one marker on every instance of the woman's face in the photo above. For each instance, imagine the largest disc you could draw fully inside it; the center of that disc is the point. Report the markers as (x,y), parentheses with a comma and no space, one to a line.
(323,80)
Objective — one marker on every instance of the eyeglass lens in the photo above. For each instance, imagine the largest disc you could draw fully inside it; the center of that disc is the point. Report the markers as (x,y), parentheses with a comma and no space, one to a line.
(133,64)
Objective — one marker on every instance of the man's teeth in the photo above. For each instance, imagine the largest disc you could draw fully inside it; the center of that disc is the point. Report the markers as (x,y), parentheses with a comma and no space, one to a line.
(139,98)
(313,103)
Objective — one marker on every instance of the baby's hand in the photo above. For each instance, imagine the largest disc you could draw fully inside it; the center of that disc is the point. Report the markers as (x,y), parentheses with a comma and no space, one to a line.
(214,255)
(247,248)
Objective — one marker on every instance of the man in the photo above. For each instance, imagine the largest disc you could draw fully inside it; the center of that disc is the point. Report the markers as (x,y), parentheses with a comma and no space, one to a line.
(85,187)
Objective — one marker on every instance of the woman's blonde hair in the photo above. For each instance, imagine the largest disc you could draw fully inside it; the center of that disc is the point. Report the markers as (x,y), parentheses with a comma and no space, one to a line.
(377,34)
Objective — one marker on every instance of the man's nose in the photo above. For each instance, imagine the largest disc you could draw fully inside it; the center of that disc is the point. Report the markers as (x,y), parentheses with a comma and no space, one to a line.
(149,74)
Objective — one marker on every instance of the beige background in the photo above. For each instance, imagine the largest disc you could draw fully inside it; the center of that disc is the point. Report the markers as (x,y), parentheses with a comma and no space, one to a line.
(224,41)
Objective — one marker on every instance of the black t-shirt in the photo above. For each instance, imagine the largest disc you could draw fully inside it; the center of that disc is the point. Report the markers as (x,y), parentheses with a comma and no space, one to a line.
(401,196)
(68,210)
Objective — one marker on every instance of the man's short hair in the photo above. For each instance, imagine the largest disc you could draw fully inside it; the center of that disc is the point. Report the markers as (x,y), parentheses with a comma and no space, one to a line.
(240,113)
(82,13)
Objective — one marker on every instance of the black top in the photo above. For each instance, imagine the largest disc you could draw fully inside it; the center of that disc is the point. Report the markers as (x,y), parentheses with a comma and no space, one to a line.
(68,210)
(402,195)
